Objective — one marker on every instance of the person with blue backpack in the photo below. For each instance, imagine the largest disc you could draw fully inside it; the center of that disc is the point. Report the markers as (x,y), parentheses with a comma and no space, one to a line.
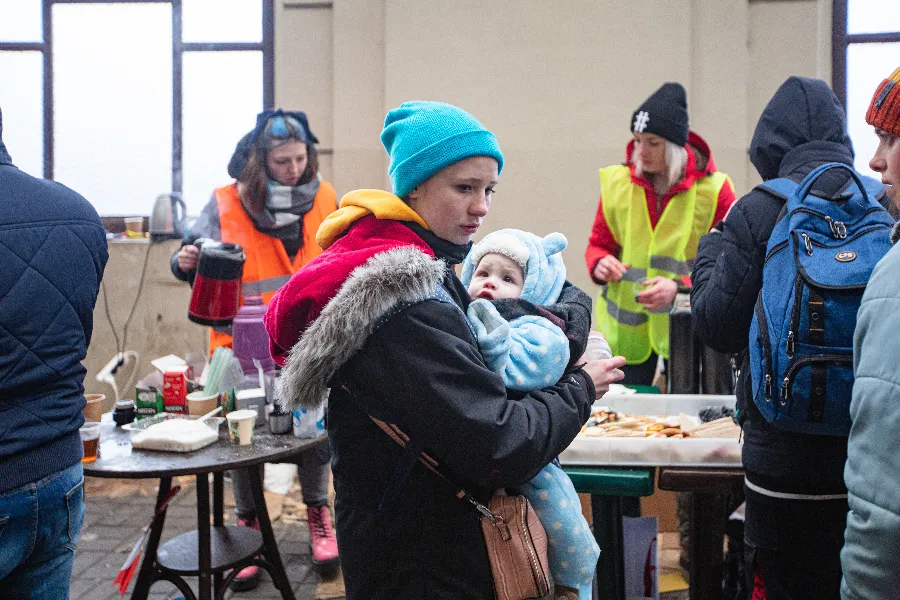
(871,564)
(780,279)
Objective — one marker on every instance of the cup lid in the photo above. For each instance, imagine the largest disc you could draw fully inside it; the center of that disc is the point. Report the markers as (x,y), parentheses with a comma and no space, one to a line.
(240,415)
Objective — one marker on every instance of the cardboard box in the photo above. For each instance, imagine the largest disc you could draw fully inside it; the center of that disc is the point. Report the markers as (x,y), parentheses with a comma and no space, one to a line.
(175,389)
(147,403)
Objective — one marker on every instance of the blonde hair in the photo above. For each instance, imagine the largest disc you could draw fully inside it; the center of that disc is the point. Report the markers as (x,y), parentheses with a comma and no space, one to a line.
(676,163)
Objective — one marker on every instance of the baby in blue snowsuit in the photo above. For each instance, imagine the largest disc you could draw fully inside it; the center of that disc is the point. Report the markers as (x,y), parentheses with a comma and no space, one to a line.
(530,352)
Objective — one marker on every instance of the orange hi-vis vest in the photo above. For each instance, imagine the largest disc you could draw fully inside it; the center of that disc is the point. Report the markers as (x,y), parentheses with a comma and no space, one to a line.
(267,266)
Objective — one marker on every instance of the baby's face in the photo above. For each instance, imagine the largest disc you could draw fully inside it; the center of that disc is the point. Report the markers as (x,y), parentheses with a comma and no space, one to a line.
(496,276)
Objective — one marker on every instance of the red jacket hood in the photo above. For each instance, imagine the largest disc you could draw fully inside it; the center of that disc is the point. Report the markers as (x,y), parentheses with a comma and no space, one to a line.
(300,302)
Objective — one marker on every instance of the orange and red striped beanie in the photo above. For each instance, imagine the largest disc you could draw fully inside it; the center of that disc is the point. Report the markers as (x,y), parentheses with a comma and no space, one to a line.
(884,110)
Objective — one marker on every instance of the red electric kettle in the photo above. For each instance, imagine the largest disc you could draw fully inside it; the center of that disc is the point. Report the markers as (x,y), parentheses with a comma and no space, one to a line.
(217,285)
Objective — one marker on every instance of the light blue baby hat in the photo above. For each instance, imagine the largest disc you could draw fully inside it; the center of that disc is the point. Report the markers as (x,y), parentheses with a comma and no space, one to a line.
(540,259)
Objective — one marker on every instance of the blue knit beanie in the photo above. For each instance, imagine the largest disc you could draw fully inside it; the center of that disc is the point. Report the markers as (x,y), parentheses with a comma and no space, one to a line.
(424,137)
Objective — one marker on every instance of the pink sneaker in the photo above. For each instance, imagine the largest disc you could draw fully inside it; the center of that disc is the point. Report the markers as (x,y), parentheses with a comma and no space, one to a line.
(321,537)
(248,577)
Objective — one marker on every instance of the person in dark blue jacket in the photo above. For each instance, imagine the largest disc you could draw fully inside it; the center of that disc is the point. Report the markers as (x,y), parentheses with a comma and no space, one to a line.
(53,252)
(796,498)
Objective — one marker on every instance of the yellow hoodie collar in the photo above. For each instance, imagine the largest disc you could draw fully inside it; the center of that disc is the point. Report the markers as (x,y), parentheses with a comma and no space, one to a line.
(360,203)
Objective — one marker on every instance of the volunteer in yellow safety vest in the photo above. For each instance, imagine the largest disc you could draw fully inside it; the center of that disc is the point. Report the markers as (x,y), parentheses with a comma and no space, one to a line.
(652,212)
(273,211)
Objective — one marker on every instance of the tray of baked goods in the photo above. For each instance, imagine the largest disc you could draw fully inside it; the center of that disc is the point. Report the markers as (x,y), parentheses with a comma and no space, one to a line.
(658,430)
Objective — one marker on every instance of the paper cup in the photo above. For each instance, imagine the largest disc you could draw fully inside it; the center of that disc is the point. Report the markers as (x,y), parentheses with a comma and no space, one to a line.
(93,410)
(199,403)
(240,426)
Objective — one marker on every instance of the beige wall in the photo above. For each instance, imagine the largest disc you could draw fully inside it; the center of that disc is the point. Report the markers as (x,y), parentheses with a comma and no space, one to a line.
(159,325)
(556,81)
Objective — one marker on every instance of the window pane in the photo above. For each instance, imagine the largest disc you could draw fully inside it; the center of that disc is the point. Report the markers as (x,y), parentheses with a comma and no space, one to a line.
(221,20)
(22,104)
(22,21)
(867,65)
(112,68)
(873,16)
(214,121)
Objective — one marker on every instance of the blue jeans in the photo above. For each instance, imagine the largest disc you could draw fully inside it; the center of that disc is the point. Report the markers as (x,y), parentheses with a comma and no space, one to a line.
(39,526)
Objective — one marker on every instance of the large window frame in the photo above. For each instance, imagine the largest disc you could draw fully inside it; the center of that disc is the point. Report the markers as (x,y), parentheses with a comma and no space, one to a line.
(266,46)
(840,43)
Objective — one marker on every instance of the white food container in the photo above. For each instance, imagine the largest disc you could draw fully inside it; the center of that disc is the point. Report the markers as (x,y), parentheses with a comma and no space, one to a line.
(656,452)
(173,440)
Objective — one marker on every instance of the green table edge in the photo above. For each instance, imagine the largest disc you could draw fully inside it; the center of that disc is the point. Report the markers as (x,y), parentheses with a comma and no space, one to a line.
(612,482)
(643,389)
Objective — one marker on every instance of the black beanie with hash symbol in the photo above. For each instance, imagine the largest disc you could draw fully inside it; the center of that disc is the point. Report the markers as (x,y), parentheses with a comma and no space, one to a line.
(664,114)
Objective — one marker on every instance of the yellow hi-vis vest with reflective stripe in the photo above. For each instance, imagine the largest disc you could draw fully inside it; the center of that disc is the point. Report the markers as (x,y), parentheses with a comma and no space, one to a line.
(667,250)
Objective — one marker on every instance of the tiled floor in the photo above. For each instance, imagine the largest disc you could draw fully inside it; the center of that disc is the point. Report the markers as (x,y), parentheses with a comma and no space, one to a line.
(118,510)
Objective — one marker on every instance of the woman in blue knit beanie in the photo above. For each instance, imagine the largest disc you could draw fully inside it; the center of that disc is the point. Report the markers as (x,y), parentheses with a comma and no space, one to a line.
(377,324)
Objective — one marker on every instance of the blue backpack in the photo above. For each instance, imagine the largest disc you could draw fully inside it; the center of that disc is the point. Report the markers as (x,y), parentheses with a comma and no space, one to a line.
(818,261)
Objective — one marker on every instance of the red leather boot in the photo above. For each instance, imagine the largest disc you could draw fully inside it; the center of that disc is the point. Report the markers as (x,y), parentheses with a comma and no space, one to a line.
(322,538)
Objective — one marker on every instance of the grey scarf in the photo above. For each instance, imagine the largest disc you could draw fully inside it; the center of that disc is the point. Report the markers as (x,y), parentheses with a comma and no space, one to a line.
(282,215)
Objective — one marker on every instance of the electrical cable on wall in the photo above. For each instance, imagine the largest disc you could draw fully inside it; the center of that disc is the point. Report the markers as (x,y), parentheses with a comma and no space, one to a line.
(123,356)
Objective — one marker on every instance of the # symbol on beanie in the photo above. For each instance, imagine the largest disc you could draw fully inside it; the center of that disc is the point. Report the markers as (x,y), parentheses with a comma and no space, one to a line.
(641,120)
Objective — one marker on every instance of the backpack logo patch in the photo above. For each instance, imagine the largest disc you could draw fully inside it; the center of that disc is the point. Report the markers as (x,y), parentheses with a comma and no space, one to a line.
(845,256)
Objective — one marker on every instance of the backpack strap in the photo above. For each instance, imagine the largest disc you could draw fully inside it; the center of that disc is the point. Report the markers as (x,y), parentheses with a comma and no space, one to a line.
(781,187)
(818,376)
(874,188)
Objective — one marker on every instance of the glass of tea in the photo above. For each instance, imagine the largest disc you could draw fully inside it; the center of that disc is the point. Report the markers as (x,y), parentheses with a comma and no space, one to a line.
(90,439)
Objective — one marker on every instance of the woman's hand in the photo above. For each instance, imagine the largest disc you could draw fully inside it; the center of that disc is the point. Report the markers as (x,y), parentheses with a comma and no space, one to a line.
(604,372)
(188,257)
(609,268)
(661,293)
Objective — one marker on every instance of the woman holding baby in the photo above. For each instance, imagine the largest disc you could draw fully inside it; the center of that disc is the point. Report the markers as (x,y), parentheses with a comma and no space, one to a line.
(380,319)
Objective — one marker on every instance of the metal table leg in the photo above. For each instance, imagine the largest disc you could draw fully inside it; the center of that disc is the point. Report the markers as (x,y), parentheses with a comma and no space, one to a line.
(148,573)
(204,552)
(270,547)
(607,517)
(218,521)
(707,532)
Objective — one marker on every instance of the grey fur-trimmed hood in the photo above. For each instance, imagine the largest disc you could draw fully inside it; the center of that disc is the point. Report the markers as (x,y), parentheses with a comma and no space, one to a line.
(387,281)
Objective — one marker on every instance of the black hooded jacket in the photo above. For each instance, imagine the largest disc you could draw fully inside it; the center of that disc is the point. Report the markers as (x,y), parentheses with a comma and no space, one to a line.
(802,127)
